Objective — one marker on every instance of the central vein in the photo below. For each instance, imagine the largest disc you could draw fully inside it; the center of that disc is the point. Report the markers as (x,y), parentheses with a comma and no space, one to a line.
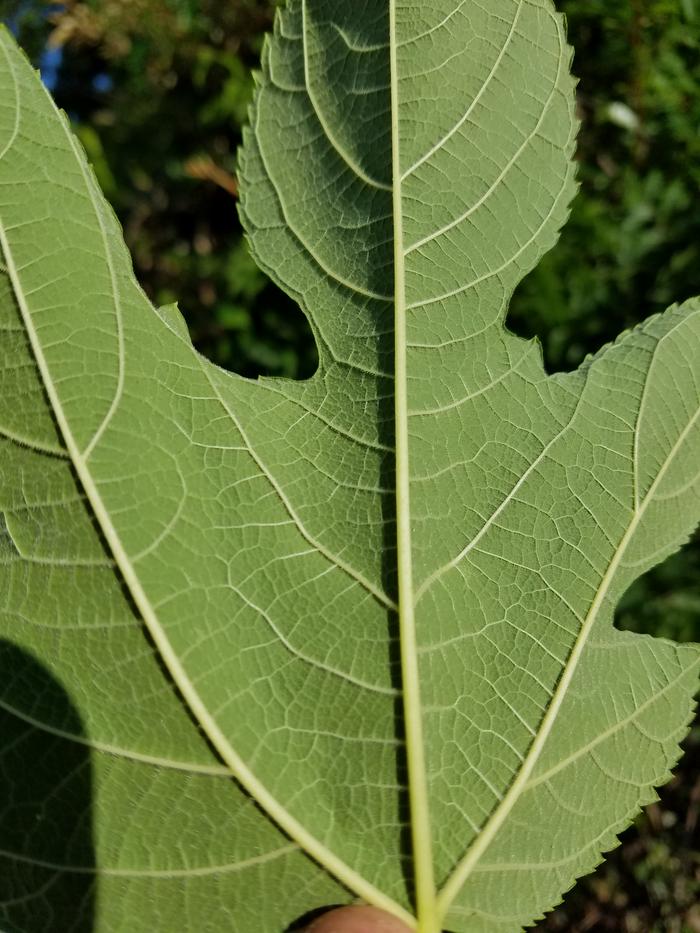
(425,894)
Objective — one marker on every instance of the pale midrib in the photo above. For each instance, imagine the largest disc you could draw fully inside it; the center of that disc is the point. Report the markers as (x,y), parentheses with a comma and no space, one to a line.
(471,859)
(313,846)
(421,835)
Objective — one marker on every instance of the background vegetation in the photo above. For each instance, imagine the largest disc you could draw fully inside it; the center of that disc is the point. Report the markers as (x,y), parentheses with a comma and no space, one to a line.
(158,91)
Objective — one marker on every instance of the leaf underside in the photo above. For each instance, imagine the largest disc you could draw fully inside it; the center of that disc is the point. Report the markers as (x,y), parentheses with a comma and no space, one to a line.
(276,663)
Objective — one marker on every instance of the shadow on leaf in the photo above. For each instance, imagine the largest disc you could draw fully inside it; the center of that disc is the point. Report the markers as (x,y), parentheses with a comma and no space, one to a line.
(47,864)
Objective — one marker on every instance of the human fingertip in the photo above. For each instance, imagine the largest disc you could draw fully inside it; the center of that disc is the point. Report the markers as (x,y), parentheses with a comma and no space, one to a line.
(357,919)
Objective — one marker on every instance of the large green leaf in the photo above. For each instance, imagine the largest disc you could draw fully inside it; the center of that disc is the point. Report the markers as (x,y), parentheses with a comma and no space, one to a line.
(285,644)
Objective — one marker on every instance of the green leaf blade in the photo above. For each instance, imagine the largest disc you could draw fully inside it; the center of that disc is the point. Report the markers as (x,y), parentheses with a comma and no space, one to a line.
(392,582)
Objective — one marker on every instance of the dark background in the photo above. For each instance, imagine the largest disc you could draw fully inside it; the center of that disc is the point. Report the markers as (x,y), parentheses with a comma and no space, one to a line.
(158,91)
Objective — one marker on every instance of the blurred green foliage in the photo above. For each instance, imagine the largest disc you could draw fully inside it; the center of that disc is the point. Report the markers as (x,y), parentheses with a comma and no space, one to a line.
(632,246)
(158,91)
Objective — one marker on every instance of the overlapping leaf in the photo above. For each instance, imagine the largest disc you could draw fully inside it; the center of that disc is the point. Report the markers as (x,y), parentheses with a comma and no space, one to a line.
(190,554)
